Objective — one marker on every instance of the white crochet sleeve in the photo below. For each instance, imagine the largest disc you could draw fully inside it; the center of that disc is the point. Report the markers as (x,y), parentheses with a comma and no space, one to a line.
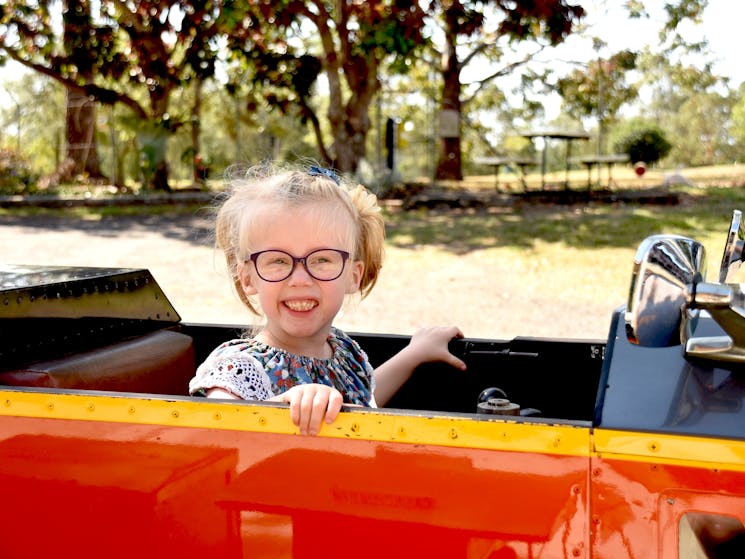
(240,373)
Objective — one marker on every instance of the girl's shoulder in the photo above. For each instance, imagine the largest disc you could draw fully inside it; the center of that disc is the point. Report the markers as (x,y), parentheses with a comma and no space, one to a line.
(244,347)
(232,347)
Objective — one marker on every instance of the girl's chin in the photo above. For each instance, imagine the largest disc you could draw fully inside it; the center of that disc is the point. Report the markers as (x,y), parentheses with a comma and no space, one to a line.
(305,328)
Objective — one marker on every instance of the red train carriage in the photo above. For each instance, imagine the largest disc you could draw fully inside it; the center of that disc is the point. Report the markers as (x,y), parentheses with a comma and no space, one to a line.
(633,446)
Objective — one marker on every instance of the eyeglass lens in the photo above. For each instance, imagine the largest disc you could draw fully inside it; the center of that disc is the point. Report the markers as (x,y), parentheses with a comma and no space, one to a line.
(277,265)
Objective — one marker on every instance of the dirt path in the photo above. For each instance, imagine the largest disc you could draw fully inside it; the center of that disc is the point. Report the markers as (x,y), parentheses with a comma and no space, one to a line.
(486,299)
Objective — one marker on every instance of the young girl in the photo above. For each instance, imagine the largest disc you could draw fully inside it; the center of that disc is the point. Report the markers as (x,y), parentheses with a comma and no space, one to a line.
(296,243)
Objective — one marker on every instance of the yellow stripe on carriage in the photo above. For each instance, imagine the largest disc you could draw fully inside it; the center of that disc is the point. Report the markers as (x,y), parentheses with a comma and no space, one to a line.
(483,432)
(697,452)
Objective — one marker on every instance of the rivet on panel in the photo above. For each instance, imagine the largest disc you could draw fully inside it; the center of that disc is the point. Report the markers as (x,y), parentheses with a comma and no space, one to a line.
(453,434)
(262,420)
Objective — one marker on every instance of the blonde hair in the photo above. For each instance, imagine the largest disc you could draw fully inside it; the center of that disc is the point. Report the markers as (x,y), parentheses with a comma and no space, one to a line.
(253,191)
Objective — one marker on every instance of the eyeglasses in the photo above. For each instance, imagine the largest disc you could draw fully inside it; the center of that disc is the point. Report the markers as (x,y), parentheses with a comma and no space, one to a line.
(325,264)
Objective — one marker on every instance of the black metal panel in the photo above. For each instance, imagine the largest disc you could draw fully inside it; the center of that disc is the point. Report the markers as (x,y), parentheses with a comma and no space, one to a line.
(64,292)
(559,378)
(659,390)
(51,311)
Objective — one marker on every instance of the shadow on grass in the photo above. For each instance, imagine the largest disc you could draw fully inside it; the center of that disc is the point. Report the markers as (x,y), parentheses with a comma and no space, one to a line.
(185,223)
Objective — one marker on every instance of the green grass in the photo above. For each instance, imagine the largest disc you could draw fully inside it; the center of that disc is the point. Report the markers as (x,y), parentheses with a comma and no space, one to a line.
(581,226)
(591,244)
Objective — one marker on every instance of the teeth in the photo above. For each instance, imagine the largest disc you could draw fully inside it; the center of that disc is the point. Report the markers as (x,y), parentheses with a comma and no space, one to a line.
(300,305)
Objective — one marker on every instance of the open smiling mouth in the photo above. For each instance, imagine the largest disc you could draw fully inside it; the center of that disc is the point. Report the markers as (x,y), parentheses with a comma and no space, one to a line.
(305,305)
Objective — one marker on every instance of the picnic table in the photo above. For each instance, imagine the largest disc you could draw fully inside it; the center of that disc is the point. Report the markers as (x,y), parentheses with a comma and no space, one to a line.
(609,160)
(522,162)
(567,136)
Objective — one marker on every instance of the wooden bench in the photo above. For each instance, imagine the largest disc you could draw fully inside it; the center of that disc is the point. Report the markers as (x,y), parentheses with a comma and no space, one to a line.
(609,160)
(522,162)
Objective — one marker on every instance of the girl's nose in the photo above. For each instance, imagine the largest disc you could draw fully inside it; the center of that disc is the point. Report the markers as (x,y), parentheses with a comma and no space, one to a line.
(300,275)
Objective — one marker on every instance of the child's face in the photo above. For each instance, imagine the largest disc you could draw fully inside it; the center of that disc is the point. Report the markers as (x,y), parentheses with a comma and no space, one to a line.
(300,309)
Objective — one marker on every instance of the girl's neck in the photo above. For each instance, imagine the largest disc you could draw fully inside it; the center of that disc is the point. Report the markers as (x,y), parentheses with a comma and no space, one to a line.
(307,347)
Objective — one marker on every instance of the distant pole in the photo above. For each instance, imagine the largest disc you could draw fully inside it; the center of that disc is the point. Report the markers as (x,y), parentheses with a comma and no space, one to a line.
(379,129)
(18,128)
(18,119)
(115,179)
(237,108)
(601,104)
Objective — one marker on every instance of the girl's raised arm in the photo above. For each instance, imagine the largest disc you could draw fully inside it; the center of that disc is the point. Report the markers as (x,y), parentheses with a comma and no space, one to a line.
(426,345)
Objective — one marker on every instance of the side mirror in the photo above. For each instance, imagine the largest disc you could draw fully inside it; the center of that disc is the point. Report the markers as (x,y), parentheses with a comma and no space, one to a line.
(666,269)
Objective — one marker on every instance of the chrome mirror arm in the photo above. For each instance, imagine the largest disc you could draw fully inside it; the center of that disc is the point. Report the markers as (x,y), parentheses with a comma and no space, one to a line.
(726,305)
(733,248)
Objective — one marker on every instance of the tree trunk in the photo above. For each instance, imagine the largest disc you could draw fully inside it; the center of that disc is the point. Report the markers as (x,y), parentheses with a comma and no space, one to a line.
(80,125)
(350,124)
(153,142)
(449,155)
(199,165)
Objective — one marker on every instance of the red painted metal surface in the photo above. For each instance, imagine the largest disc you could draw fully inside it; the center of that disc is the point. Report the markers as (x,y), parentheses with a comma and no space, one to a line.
(146,491)
(640,509)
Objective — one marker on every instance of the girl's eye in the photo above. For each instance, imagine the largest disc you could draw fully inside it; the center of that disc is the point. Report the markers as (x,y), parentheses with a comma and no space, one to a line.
(274,259)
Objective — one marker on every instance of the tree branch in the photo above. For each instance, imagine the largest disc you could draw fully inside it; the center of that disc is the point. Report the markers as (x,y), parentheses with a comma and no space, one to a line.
(101,94)
(506,70)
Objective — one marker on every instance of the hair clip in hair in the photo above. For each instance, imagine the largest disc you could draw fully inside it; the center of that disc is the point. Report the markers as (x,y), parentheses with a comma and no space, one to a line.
(315,171)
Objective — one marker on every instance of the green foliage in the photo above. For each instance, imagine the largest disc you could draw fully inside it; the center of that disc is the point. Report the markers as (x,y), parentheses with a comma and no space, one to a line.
(601,88)
(647,145)
(275,102)
(15,174)
(137,54)
(692,106)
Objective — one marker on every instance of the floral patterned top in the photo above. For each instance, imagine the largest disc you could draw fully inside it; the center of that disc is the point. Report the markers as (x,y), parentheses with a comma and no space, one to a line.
(253,370)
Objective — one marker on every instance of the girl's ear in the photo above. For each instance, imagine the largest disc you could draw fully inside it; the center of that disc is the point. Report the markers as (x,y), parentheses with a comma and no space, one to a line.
(244,277)
(354,282)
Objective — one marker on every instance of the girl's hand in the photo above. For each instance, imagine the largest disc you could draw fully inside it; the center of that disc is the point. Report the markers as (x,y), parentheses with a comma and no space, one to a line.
(431,344)
(310,404)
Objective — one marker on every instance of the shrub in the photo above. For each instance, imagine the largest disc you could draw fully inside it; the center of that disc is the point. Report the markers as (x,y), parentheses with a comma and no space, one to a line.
(15,175)
(648,145)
